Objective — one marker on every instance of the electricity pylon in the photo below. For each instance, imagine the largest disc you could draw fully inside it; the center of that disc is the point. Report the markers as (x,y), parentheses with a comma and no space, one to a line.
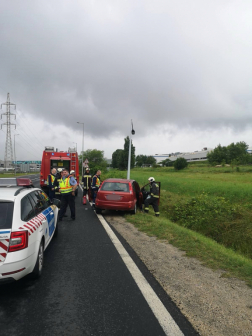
(8,156)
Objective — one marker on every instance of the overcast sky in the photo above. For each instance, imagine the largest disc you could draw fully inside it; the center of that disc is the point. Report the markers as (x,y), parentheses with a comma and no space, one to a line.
(180,69)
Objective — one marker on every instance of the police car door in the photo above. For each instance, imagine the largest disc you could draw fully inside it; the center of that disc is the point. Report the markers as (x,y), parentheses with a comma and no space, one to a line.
(49,213)
(41,212)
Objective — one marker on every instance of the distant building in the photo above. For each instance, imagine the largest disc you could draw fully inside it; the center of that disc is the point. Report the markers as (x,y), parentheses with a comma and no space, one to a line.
(249,150)
(27,166)
(189,156)
(9,164)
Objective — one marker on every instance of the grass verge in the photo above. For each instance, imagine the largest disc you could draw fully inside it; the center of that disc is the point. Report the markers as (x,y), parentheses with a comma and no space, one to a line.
(8,175)
(209,252)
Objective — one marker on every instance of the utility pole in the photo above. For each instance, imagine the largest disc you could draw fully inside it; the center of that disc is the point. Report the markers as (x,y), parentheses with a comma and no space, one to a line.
(15,158)
(8,156)
(82,146)
(129,158)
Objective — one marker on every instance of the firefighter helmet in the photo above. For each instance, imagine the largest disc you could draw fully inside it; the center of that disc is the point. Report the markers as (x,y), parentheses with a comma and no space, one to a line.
(60,170)
(72,172)
(151,179)
(87,169)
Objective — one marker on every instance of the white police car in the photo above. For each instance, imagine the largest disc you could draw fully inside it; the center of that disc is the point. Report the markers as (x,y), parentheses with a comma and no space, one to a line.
(28,221)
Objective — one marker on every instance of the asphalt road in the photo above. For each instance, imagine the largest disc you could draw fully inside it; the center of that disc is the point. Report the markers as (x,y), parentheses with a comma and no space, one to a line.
(85,288)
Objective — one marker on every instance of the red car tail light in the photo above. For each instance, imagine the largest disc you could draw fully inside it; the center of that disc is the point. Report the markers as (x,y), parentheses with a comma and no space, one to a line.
(18,241)
(130,188)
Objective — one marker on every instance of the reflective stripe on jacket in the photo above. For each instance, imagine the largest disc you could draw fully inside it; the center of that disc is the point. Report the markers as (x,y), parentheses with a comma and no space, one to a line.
(65,186)
(87,181)
(154,191)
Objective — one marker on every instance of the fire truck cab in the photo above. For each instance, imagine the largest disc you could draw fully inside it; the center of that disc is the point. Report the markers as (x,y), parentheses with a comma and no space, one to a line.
(53,159)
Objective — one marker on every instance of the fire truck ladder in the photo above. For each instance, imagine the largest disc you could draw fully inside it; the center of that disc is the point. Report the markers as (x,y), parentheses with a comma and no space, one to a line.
(73,161)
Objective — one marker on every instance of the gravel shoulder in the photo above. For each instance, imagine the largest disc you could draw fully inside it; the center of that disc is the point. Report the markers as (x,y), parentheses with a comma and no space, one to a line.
(214,305)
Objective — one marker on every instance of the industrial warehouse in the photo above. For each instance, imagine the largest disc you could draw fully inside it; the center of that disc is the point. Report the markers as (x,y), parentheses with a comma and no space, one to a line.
(189,156)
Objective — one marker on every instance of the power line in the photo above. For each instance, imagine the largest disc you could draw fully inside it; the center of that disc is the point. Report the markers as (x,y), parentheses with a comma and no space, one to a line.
(28,151)
(29,139)
(35,137)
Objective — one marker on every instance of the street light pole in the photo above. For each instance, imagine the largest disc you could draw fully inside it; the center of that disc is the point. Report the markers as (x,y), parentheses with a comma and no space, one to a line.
(82,146)
(15,153)
(132,132)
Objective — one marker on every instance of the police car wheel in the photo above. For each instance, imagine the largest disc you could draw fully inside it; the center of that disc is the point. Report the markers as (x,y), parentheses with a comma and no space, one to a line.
(56,229)
(133,212)
(40,261)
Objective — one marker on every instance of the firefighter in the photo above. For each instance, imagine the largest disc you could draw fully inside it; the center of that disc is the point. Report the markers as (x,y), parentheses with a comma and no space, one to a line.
(67,187)
(86,179)
(153,197)
(50,183)
(96,181)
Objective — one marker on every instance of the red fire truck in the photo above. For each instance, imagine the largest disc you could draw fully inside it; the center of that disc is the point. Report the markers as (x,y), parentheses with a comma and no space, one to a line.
(53,159)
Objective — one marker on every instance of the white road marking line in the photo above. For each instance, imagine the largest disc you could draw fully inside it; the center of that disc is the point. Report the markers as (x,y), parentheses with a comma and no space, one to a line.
(166,321)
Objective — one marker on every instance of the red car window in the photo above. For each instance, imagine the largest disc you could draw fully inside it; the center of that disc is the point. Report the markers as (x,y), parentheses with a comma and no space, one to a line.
(115,186)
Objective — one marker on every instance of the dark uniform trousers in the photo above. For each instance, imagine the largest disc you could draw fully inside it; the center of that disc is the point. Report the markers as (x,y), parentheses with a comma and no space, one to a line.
(151,201)
(67,199)
(51,194)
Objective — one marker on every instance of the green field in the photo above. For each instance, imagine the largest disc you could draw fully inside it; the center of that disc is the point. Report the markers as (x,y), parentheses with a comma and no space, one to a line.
(7,175)
(210,202)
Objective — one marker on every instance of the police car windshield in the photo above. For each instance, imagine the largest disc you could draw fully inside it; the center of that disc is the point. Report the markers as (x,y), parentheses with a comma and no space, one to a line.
(115,186)
(6,211)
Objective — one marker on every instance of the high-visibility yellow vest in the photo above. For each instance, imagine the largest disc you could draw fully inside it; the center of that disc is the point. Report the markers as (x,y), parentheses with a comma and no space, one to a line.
(65,186)
(97,182)
(52,178)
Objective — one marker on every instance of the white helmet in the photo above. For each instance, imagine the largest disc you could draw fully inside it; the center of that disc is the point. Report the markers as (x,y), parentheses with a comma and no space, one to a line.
(72,172)
(151,179)
(59,170)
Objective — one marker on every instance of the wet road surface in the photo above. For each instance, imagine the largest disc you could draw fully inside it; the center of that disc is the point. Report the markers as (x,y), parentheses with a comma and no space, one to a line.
(85,288)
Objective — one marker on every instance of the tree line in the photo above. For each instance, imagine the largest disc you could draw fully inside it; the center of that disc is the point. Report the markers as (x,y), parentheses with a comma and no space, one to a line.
(233,154)
(120,157)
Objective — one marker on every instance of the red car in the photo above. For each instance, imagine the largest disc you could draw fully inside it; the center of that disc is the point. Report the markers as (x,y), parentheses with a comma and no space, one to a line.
(119,194)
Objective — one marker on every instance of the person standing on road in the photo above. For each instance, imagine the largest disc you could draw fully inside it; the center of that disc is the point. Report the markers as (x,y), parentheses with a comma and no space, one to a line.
(96,181)
(67,187)
(72,173)
(153,197)
(56,183)
(50,183)
(86,179)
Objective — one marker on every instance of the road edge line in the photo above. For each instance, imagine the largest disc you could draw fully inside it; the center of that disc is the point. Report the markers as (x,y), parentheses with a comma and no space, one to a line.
(163,316)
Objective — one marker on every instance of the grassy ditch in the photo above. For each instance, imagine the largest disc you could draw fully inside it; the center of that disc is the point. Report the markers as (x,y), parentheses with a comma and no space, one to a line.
(209,252)
(215,202)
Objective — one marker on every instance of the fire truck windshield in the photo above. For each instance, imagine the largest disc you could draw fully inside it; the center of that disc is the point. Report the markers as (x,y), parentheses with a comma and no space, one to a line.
(60,164)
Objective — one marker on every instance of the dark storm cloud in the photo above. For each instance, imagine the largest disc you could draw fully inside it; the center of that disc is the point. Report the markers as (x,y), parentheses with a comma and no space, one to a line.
(107,62)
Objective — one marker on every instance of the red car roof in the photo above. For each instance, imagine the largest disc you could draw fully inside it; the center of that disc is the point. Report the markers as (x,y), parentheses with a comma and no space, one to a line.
(117,180)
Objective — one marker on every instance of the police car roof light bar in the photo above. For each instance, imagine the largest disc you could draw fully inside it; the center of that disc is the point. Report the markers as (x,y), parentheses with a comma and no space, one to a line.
(15,182)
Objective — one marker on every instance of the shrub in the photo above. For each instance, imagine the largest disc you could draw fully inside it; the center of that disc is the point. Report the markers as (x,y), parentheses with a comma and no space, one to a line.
(180,163)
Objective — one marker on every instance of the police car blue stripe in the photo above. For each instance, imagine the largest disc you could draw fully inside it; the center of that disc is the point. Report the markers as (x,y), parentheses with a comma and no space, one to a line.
(4,232)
